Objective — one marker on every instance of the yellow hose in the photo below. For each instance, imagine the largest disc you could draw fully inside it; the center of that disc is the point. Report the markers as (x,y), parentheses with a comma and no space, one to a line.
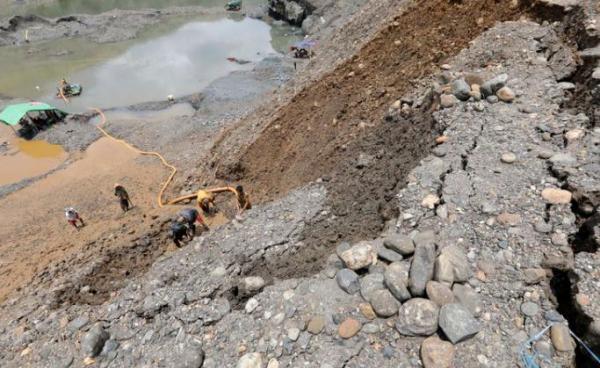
(137,150)
(214,190)
(162,159)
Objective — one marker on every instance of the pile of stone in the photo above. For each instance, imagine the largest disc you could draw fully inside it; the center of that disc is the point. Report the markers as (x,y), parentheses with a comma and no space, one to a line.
(408,278)
(473,88)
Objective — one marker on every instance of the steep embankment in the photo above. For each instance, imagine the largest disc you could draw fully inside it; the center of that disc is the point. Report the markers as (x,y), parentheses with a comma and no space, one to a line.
(335,128)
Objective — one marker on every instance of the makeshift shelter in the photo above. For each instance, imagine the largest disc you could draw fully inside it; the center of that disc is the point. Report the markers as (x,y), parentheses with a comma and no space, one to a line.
(303,49)
(28,118)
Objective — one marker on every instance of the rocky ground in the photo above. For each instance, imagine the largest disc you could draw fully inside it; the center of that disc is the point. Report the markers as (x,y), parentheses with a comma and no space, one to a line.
(491,236)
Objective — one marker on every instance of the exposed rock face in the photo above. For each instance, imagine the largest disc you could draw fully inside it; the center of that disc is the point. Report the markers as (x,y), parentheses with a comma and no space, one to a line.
(292,11)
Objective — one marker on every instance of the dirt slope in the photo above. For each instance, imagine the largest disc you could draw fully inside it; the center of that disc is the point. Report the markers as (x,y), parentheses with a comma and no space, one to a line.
(331,127)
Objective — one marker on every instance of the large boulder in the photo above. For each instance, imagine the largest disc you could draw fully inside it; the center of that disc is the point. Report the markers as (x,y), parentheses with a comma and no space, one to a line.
(292,11)
(422,266)
(457,322)
(418,317)
(359,256)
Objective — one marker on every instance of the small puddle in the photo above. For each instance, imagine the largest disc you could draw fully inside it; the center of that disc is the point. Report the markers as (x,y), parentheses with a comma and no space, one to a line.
(21,159)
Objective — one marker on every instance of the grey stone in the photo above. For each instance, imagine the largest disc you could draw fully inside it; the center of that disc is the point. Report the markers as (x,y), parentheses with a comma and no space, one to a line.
(389,255)
(439,293)
(468,297)
(370,328)
(492,99)
(452,265)
(399,243)
(530,309)
(251,305)
(110,345)
(396,279)
(293,333)
(491,86)
(77,323)
(457,323)
(422,266)
(418,317)
(544,349)
(252,283)
(192,356)
(348,280)
(563,159)
(461,89)
(384,303)
(371,283)
(93,341)
(553,316)
(250,360)
(341,248)
(543,227)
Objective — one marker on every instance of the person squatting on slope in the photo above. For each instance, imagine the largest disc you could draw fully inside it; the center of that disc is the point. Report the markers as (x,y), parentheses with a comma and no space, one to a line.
(243,199)
(123,196)
(206,201)
(177,232)
(189,216)
(73,216)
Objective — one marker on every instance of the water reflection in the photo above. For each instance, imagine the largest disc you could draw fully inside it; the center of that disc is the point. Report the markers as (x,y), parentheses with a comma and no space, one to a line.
(59,8)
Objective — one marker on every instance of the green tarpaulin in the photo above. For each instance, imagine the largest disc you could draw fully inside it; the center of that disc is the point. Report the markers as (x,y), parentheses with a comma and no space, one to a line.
(12,114)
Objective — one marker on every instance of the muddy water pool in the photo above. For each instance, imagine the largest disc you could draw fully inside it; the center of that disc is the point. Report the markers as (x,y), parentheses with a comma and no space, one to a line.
(177,57)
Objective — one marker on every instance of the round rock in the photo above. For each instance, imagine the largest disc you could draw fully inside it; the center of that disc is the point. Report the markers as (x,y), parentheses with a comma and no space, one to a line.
(384,304)
(349,328)
(505,94)
(418,317)
(436,353)
(529,309)
(508,158)
(316,325)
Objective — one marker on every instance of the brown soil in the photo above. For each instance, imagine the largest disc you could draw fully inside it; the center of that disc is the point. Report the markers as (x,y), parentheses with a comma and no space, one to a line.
(328,125)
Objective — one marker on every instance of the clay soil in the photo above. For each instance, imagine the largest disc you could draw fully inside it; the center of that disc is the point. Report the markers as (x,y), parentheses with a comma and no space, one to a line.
(330,124)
